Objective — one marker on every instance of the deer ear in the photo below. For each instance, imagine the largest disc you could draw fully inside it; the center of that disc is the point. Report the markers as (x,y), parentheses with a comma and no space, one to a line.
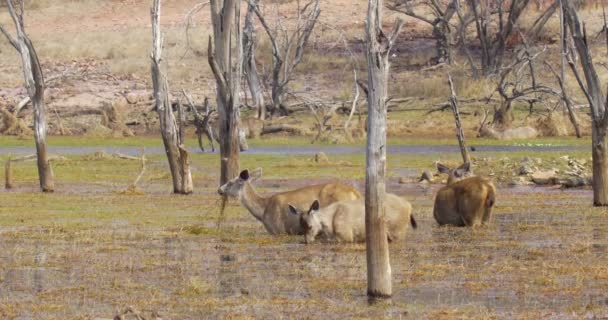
(442,168)
(293,210)
(315,206)
(463,169)
(244,175)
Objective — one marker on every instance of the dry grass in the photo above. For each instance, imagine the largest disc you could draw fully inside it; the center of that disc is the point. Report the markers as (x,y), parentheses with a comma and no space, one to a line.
(543,255)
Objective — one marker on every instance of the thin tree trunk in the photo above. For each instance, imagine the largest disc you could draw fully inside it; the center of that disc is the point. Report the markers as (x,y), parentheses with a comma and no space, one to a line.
(8,174)
(169,129)
(225,16)
(34,83)
(459,132)
(597,103)
(378,49)
(600,169)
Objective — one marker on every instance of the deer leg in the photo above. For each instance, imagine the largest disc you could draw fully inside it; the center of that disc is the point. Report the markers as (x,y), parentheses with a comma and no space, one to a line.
(210,137)
(200,140)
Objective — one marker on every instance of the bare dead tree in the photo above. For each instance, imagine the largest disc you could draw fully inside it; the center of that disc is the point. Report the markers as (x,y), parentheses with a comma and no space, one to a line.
(34,83)
(378,46)
(226,63)
(597,102)
(288,49)
(250,70)
(459,133)
(518,82)
(441,14)
(177,155)
(494,45)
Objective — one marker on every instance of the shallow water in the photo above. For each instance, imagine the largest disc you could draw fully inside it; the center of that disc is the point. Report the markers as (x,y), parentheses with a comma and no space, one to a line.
(544,256)
(293,150)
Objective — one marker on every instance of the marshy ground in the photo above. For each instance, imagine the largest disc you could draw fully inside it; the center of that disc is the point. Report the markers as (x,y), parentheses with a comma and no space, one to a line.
(89,250)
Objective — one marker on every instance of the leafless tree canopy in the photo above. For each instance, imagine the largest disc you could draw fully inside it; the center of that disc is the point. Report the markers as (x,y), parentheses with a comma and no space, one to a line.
(288,48)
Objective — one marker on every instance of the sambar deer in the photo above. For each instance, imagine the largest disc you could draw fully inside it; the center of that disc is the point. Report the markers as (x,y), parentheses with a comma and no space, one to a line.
(273,211)
(464,201)
(344,221)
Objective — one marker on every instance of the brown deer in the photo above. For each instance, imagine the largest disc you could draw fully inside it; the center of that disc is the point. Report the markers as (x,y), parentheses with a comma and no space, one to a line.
(464,201)
(273,211)
(345,220)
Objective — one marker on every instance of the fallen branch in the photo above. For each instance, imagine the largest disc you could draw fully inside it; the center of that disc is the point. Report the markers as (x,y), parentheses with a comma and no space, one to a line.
(274,128)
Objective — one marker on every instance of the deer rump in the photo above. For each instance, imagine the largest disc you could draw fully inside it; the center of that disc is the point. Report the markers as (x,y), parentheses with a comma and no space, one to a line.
(467,202)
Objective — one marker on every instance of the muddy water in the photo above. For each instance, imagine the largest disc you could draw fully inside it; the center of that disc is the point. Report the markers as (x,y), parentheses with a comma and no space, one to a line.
(543,257)
(293,150)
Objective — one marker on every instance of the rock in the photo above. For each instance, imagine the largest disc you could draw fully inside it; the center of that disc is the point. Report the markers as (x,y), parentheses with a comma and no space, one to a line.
(426,176)
(574,182)
(320,157)
(544,177)
(565,158)
(525,169)
(520,181)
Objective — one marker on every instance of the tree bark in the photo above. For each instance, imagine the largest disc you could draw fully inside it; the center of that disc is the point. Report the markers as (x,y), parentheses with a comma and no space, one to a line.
(34,83)
(169,129)
(225,16)
(378,48)
(597,104)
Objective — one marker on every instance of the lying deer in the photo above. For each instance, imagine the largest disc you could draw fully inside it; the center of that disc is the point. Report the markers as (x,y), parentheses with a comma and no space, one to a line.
(273,211)
(464,201)
(345,220)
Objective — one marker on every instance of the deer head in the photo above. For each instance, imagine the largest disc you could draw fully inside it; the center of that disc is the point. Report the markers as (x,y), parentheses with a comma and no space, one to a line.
(309,220)
(234,188)
(456,174)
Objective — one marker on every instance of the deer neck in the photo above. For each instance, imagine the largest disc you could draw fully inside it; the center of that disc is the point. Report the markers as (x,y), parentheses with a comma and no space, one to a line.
(251,200)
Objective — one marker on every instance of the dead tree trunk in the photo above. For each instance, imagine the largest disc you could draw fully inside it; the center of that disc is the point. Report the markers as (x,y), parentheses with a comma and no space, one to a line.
(249,67)
(169,130)
(597,102)
(459,132)
(226,64)
(378,48)
(34,83)
(8,174)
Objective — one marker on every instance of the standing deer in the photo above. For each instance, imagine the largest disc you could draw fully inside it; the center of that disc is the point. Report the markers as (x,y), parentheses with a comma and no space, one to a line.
(345,220)
(273,211)
(464,201)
